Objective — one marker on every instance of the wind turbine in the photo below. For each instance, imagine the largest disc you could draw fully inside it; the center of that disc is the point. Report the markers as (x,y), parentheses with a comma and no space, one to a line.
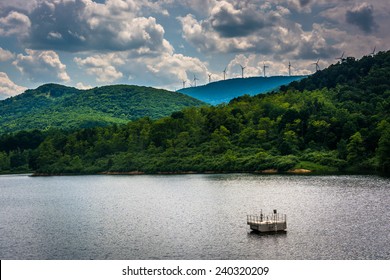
(242,70)
(341,58)
(373,51)
(195,79)
(317,66)
(224,74)
(184,83)
(210,77)
(264,68)
(289,68)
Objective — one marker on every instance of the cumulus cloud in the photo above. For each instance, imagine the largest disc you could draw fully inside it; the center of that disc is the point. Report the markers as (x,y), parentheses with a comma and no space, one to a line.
(250,62)
(314,44)
(199,6)
(243,27)
(272,29)
(238,20)
(18,4)
(80,85)
(165,70)
(283,34)
(177,67)
(41,66)
(9,88)
(103,67)
(14,23)
(86,25)
(206,39)
(363,17)
(307,6)
(254,66)
(5,55)
(157,7)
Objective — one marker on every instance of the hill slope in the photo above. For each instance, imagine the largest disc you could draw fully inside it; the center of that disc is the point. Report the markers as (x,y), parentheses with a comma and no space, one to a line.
(53,105)
(223,91)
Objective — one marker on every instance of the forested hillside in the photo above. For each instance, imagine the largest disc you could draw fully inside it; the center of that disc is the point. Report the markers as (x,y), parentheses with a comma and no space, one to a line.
(317,124)
(57,106)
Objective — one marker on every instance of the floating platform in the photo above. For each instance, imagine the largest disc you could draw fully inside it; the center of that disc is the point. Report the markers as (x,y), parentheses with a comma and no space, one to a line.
(274,222)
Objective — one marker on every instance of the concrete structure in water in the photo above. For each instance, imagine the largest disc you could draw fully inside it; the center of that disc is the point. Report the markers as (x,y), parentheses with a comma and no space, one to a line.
(274,222)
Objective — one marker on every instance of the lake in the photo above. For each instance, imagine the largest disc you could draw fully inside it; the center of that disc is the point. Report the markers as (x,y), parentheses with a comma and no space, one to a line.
(193,217)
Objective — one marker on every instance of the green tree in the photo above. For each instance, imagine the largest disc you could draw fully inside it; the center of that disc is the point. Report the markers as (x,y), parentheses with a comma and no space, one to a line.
(47,155)
(220,140)
(383,151)
(289,144)
(355,148)
(318,131)
(4,162)
(18,159)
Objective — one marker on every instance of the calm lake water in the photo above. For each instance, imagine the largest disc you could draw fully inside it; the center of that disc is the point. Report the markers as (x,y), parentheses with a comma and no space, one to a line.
(193,217)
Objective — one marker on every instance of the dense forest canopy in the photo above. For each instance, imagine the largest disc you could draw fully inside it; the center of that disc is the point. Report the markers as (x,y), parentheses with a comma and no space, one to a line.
(58,106)
(336,120)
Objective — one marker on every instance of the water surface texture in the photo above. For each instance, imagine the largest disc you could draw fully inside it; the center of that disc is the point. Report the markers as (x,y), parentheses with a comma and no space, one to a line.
(193,217)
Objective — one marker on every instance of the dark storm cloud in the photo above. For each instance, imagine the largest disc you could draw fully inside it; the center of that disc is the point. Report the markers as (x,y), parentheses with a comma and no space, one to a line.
(362,16)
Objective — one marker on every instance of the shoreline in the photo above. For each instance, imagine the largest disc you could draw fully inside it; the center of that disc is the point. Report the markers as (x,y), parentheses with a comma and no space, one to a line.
(297,172)
(265,172)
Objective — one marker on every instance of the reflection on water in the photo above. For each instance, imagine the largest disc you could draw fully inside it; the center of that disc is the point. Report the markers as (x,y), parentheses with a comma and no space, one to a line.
(192,217)
(276,234)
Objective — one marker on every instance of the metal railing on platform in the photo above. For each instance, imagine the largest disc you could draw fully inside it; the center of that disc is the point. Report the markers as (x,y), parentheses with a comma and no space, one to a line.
(271,218)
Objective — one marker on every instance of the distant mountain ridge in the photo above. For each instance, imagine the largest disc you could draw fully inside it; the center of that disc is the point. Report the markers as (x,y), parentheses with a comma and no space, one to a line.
(58,106)
(223,91)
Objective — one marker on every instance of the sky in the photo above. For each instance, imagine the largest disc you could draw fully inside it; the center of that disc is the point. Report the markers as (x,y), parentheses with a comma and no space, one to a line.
(86,43)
